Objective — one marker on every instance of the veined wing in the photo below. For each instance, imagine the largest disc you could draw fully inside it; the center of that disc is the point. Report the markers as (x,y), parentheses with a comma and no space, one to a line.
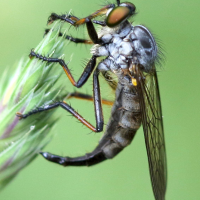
(148,89)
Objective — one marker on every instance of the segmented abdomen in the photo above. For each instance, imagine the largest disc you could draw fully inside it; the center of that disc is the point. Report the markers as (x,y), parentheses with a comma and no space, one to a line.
(124,121)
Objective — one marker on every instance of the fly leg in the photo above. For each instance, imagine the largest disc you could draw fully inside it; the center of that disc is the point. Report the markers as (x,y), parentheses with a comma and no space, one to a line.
(84,76)
(75,21)
(63,105)
(67,107)
(75,40)
(87,97)
(87,20)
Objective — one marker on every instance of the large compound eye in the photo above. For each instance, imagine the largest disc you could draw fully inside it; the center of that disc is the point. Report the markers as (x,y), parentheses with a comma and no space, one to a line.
(117,15)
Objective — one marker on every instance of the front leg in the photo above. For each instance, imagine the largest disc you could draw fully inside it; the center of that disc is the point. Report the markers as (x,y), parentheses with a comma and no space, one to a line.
(90,27)
(67,18)
(92,32)
(75,21)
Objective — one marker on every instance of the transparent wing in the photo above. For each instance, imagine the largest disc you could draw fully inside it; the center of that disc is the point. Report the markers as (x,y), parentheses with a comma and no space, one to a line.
(153,130)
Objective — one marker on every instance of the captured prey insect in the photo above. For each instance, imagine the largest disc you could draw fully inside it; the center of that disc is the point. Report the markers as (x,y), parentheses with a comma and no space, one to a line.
(131,53)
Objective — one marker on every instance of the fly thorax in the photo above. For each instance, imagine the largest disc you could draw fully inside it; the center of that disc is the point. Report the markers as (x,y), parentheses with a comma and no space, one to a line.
(125,46)
(145,48)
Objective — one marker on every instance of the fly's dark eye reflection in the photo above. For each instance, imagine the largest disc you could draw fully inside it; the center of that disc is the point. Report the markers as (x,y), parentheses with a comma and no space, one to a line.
(130,53)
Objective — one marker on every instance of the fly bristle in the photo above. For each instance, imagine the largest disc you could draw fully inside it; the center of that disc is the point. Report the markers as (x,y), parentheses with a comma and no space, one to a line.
(84,62)
(104,3)
(160,58)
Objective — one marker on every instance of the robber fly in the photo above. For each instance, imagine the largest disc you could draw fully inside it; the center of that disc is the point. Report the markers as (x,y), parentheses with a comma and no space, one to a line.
(131,53)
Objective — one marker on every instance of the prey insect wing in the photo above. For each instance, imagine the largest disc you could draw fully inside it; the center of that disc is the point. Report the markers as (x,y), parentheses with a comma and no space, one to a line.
(152,122)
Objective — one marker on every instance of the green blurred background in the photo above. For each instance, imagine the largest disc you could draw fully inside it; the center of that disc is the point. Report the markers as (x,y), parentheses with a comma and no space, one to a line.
(176,24)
